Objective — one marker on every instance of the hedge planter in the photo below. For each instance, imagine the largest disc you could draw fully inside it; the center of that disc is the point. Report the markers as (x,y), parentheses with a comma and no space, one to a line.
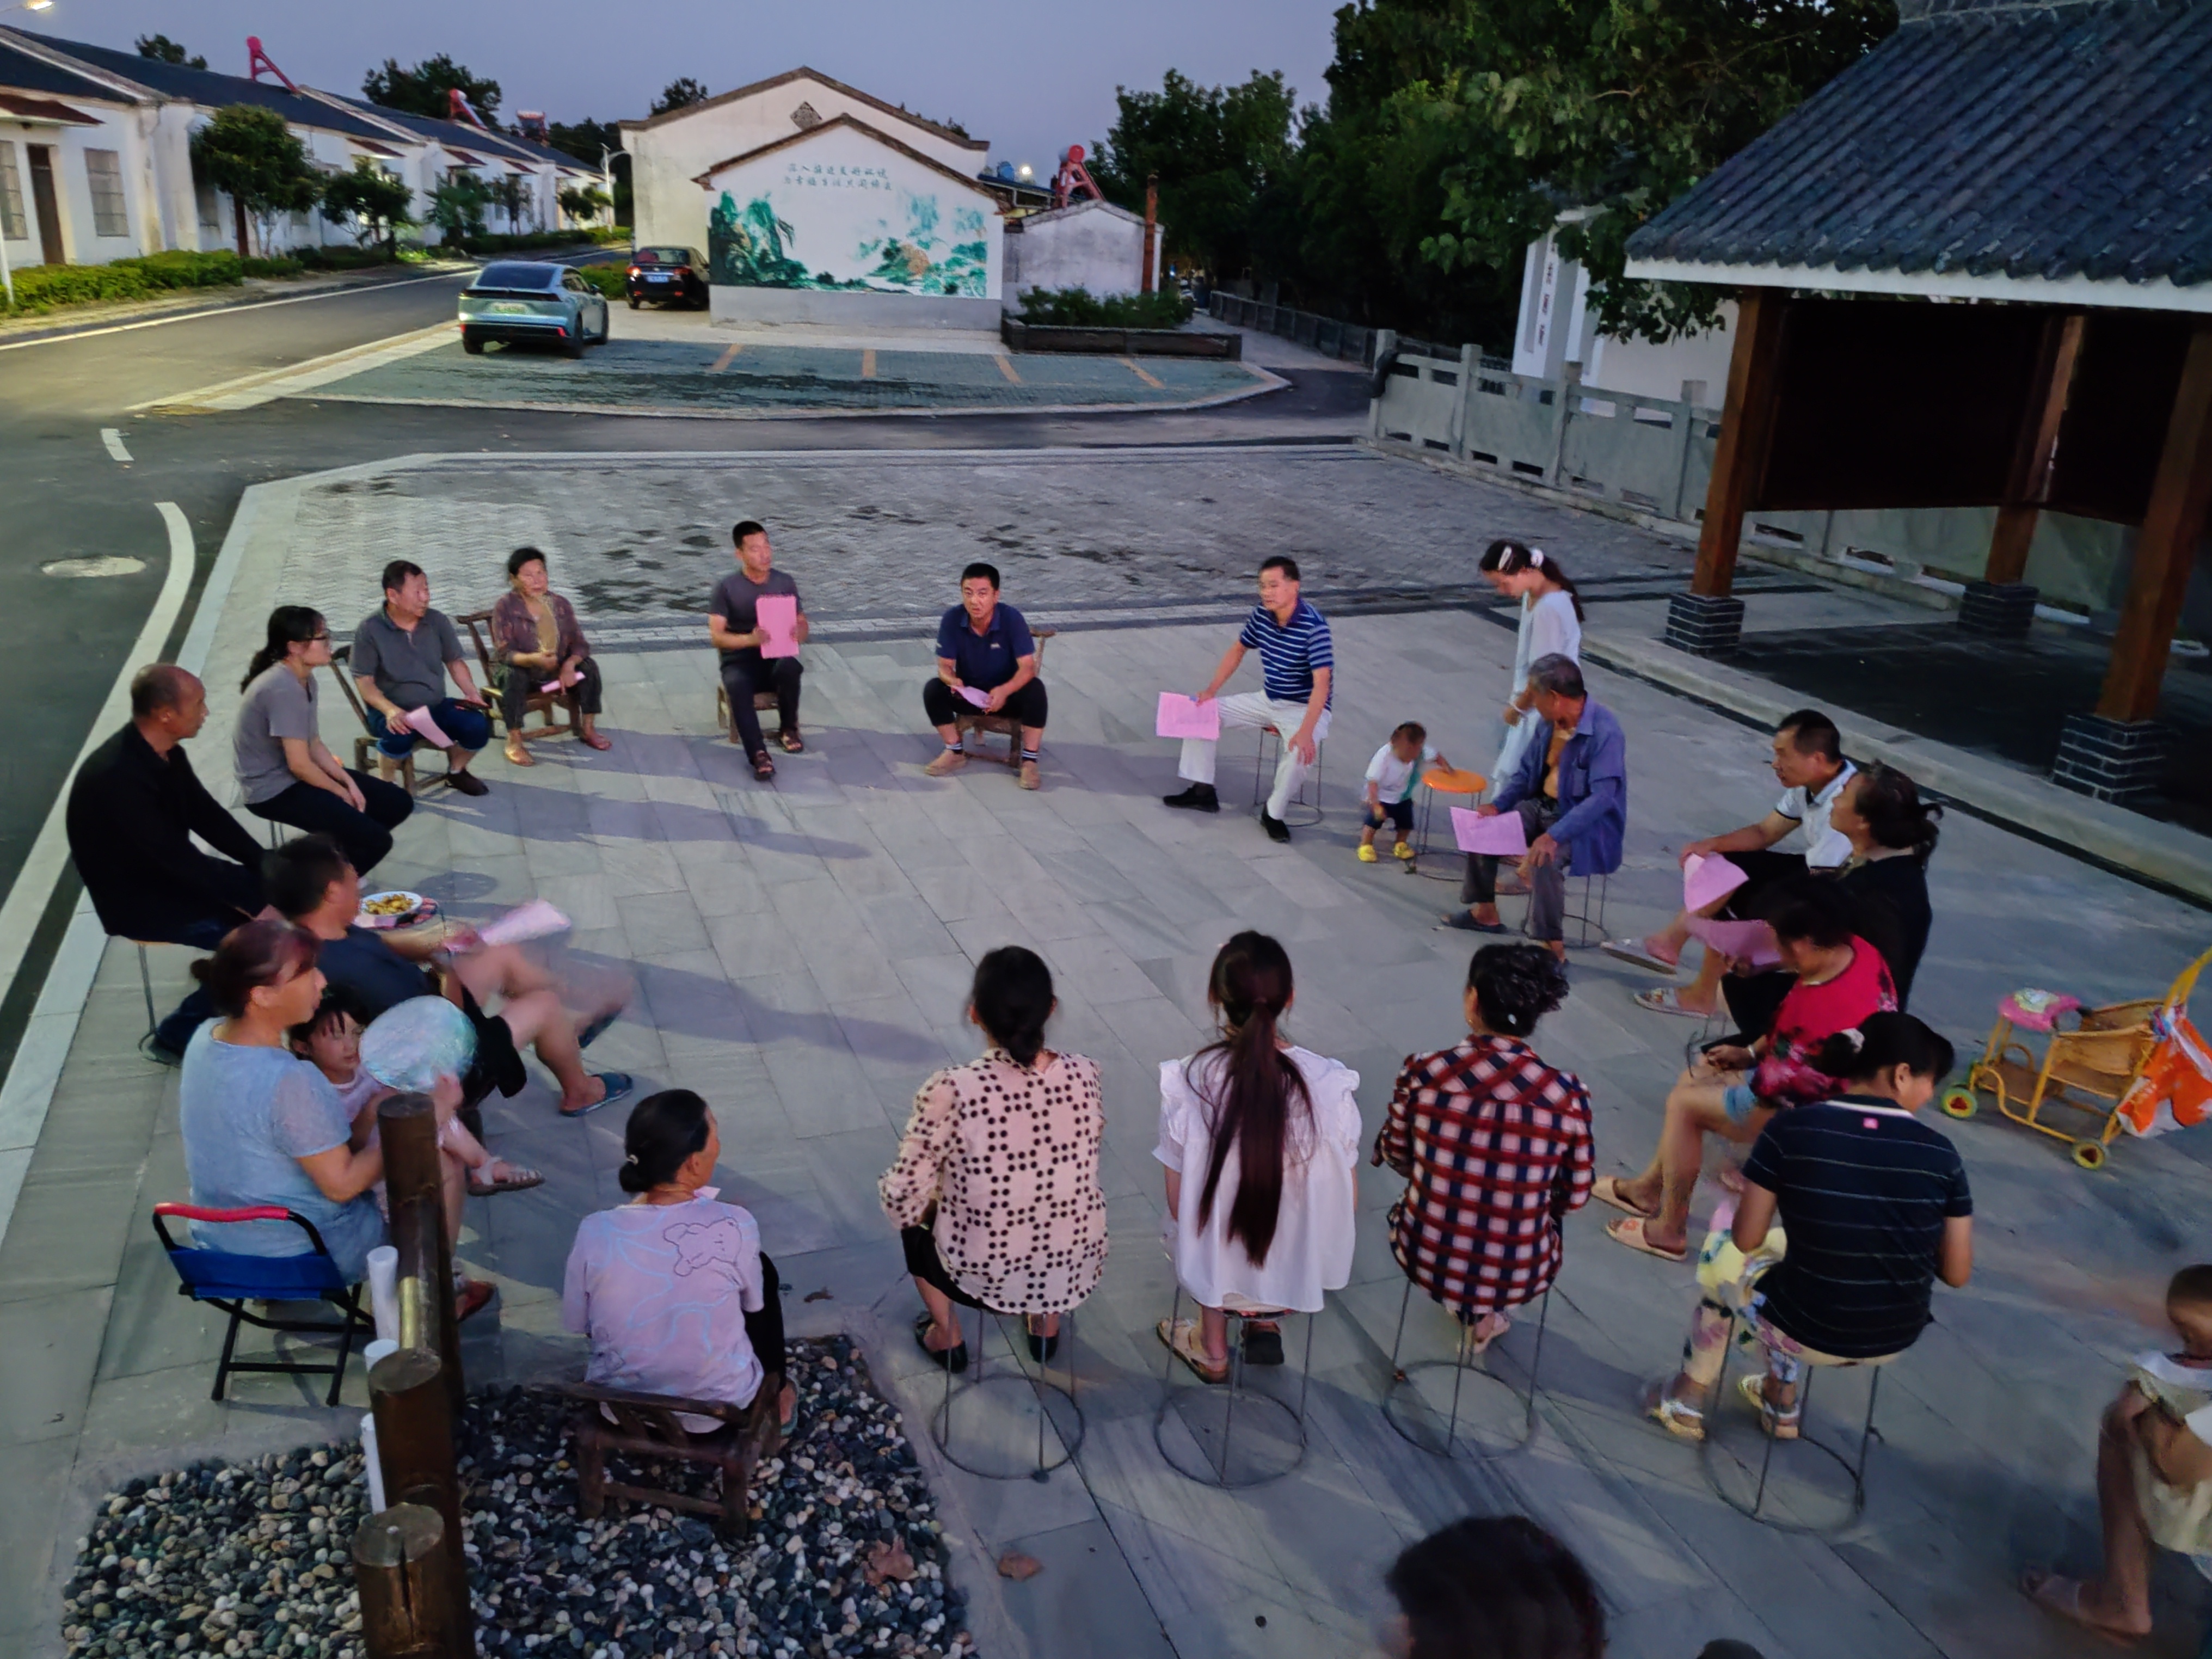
(1120,342)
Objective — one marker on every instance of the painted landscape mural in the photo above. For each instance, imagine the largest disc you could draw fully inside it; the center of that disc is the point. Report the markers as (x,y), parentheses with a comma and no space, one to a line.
(831,225)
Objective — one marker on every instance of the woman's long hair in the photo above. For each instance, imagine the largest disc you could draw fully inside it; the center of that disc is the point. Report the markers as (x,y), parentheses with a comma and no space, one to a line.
(1510,558)
(289,625)
(1262,1090)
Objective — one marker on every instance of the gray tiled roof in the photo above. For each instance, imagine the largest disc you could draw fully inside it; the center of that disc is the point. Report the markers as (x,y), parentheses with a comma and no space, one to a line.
(1990,137)
(19,71)
(212,89)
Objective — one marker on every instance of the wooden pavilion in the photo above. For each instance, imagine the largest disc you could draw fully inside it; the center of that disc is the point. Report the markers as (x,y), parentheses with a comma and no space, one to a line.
(1976,270)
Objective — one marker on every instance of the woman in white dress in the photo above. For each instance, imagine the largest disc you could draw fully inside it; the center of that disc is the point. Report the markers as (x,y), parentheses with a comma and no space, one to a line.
(1259,1137)
(1550,625)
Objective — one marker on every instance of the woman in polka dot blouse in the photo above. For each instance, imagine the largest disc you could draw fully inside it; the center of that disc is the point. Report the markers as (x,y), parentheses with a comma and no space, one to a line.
(995,1191)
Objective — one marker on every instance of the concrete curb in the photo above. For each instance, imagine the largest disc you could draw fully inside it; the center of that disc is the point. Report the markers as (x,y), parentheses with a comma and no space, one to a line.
(2162,854)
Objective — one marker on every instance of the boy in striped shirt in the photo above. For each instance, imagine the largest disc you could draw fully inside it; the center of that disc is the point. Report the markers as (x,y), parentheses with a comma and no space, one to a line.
(1297,665)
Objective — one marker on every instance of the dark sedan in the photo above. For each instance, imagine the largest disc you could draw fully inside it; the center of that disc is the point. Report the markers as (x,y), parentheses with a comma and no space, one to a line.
(671,274)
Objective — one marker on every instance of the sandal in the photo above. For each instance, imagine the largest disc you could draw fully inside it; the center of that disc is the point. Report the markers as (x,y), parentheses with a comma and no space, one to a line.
(764,768)
(1630,1233)
(518,756)
(1485,1331)
(1667,999)
(598,1028)
(516,1180)
(1606,1190)
(597,740)
(2063,1597)
(1776,1423)
(1640,952)
(954,1358)
(471,1298)
(1182,1337)
(791,742)
(1683,1422)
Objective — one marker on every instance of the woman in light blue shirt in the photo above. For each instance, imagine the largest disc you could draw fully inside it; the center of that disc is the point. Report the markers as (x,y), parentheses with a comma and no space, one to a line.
(262,1126)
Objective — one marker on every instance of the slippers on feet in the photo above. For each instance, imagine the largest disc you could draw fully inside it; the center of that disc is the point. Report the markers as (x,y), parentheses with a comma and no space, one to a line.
(1183,1339)
(1606,1190)
(1630,1233)
(1668,1000)
(1640,952)
(1465,923)
(1776,1423)
(515,1180)
(791,742)
(471,1297)
(618,1086)
(598,1028)
(1683,1422)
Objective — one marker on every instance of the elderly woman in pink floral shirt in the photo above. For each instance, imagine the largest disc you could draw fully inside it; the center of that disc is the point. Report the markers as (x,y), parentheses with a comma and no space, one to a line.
(536,640)
(995,1192)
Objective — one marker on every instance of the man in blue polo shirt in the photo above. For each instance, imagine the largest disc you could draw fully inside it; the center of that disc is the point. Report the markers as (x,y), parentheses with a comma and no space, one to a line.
(985,647)
(1297,665)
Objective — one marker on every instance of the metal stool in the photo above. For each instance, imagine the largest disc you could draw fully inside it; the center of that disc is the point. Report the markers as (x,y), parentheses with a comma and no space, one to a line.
(1722,1393)
(1231,1394)
(1442,781)
(1295,810)
(1401,1377)
(940,1423)
(1587,925)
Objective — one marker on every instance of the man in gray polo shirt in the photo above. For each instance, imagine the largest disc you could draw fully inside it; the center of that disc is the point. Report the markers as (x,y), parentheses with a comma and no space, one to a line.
(401,656)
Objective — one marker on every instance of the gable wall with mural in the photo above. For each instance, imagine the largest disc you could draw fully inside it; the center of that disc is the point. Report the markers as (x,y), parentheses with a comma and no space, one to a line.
(667,158)
(843,212)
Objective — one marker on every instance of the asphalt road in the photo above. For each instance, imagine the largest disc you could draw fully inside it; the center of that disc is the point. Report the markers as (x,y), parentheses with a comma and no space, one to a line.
(63,496)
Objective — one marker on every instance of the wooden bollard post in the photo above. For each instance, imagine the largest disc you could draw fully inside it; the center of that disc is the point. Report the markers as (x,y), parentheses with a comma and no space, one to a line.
(415,1443)
(405,1573)
(414,1180)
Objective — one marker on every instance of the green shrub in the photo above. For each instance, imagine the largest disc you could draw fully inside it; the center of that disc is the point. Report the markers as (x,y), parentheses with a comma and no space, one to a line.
(607,279)
(609,235)
(282,266)
(41,288)
(1078,307)
(528,239)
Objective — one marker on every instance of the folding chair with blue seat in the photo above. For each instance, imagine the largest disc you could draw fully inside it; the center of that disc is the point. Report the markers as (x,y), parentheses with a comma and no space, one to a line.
(229,1281)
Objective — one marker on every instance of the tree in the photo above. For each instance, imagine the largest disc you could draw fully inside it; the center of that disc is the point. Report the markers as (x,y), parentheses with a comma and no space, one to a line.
(378,202)
(423,90)
(457,207)
(163,50)
(583,204)
(680,94)
(249,154)
(1217,150)
(1612,108)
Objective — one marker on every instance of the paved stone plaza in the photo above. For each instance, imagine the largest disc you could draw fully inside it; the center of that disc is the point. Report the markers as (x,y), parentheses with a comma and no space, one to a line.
(801,952)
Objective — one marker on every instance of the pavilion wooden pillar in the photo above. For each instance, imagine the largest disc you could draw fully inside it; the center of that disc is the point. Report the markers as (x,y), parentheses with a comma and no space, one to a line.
(2120,751)
(1708,620)
(2002,603)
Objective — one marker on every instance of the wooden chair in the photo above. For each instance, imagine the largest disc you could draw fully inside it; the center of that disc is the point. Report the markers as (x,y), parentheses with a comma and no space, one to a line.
(342,671)
(538,703)
(645,1425)
(971,721)
(764,702)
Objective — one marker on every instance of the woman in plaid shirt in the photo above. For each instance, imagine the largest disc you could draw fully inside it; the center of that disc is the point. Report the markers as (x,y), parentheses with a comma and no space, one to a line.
(1495,1147)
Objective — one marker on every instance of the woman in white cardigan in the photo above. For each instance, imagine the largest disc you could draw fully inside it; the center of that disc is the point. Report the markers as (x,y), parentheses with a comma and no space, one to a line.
(1550,625)
(1260,1138)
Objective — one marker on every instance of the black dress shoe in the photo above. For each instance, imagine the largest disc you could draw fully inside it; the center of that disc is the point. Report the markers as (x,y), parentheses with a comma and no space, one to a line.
(954,1358)
(1042,1348)
(468,783)
(1198,797)
(1276,829)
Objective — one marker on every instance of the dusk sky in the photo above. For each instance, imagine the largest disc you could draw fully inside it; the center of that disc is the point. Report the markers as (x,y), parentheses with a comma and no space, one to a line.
(1030,78)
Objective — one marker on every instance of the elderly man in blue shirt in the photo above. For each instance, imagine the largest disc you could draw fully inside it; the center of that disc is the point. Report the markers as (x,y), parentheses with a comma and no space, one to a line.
(985,647)
(1573,795)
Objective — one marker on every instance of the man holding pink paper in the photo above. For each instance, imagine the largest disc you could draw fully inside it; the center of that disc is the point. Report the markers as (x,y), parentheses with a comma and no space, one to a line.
(986,661)
(1566,804)
(402,654)
(759,643)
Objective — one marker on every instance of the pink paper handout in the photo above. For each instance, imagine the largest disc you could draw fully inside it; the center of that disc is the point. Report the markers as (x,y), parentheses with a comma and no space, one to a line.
(1501,833)
(979,698)
(535,919)
(418,721)
(1747,941)
(777,616)
(1187,717)
(1706,879)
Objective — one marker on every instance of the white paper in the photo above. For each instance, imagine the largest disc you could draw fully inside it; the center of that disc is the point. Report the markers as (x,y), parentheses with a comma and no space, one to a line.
(384,1291)
(374,1464)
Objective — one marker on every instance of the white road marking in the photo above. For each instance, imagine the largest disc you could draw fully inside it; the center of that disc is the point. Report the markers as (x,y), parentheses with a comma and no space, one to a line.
(265,385)
(113,440)
(232,311)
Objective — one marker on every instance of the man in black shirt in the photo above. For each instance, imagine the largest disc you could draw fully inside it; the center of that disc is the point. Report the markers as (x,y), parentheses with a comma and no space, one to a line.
(733,623)
(133,809)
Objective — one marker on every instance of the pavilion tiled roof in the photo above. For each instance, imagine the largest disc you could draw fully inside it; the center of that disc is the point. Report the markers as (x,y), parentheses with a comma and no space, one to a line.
(2052,142)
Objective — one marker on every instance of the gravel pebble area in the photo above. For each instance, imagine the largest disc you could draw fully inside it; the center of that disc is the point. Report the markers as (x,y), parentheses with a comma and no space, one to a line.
(252,1558)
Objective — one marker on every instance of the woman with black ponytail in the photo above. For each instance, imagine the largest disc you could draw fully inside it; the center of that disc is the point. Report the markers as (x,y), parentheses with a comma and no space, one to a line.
(1495,1147)
(672,1287)
(287,773)
(1259,1137)
(995,1193)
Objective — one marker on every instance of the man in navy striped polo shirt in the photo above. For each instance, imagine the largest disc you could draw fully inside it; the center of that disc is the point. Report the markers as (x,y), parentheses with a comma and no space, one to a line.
(1297,665)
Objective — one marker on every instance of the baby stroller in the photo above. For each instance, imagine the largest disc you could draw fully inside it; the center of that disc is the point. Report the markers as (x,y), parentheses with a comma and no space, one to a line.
(2137,1065)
